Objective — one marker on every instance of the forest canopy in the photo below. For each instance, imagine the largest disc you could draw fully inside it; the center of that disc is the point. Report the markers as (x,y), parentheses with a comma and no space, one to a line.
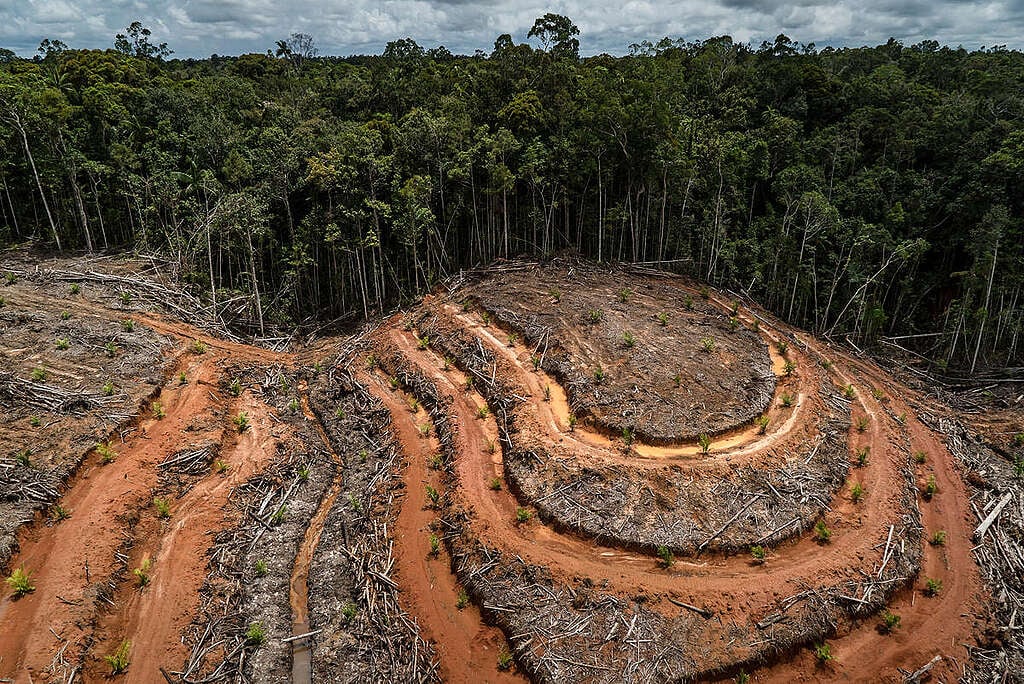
(873,193)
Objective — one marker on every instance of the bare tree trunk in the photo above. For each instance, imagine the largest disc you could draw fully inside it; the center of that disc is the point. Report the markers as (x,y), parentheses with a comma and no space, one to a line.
(16,120)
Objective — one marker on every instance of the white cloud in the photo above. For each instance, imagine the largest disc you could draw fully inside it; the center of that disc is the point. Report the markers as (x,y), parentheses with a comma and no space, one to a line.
(201,27)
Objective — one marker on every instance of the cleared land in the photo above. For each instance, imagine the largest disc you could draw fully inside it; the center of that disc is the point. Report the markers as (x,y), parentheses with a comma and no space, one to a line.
(550,472)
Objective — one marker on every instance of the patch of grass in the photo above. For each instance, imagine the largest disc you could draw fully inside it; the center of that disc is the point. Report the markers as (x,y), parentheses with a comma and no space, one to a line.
(523,515)
(107,455)
(255,634)
(279,515)
(241,421)
(762,424)
(141,573)
(59,513)
(665,557)
(348,612)
(705,443)
(20,582)
(758,554)
(163,508)
(822,534)
(434,496)
(931,488)
(932,587)
(938,539)
(890,621)
(118,661)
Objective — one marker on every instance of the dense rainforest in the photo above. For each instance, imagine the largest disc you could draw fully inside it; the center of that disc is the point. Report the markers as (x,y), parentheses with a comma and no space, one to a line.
(873,193)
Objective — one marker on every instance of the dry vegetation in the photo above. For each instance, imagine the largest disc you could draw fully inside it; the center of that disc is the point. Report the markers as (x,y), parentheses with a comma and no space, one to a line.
(493,481)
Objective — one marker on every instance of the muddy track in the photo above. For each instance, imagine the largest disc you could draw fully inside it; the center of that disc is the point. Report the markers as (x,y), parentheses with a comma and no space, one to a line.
(464,523)
(859,530)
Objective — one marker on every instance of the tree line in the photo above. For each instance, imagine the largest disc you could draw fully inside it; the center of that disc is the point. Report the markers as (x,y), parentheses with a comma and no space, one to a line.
(873,193)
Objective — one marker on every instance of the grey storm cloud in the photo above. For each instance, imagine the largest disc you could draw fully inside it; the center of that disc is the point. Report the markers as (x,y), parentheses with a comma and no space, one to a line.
(198,28)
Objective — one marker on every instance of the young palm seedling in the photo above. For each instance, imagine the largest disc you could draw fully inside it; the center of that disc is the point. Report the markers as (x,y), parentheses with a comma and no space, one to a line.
(118,660)
(665,557)
(20,582)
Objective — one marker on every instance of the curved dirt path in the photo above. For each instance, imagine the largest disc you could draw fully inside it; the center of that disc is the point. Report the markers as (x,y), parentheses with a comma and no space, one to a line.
(859,530)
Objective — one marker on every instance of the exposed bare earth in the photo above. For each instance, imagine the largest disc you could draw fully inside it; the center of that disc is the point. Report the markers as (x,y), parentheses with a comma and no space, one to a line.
(457,494)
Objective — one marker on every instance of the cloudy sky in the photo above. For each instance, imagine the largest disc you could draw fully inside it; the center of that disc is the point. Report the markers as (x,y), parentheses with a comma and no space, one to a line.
(198,28)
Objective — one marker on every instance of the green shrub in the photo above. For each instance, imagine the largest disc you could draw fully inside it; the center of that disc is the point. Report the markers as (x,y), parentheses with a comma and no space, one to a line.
(938,539)
(63,343)
(39,374)
(823,654)
(665,557)
(822,534)
(255,634)
(107,455)
(705,443)
(707,344)
(241,421)
(857,492)
(523,515)
(20,582)
(163,508)
(890,621)
(261,568)
(759,554)
(762,424)
(932,587)
(118,660)
(504,660)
